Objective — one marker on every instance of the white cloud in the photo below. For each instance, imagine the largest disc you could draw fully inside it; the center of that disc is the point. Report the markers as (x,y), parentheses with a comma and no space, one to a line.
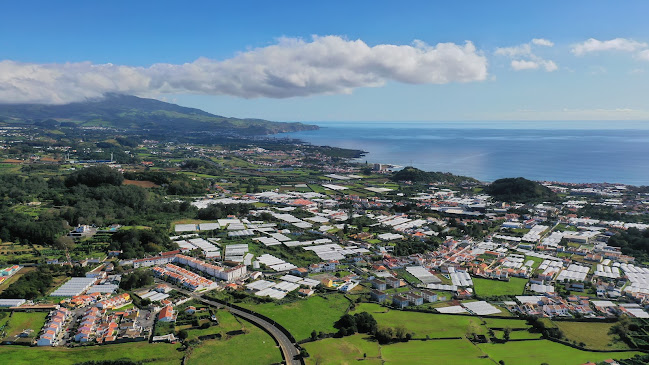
(617,44)
(525,58)
(519,65)
(291,67)
(522,50)
(644,55)
(549,65)
(542,42)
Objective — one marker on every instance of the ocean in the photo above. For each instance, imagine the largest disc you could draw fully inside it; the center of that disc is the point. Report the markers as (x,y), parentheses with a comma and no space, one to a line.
(578,152)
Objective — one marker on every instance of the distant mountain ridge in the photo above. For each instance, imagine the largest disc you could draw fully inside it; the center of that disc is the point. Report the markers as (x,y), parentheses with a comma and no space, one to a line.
(135,113)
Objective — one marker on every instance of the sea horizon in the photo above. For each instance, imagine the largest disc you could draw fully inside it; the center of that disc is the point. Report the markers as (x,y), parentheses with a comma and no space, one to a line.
(499,124)
(572,151)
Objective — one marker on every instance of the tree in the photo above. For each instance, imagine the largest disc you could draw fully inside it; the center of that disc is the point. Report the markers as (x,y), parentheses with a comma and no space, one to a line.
(183,335)
(384,335)
(314,335)
(400,333)
(64,243)
(136,279)
(507,331)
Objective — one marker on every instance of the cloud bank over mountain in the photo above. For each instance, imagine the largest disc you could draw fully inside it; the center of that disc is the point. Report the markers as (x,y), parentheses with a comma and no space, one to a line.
(291,67)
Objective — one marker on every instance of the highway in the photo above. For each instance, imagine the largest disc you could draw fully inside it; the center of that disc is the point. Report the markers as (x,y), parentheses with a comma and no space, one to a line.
(290,351)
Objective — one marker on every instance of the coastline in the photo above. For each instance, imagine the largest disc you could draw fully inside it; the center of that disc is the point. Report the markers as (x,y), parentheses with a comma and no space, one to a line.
(613,156)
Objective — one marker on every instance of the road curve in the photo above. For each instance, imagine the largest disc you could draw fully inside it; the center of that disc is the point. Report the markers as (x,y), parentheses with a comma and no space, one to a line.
(289,349)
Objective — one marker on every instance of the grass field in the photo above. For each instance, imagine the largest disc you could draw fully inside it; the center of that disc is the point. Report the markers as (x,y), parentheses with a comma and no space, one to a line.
(150,353)
(343,351)
(20,321)
(349,350)
(456,352)
(544,351)
(593,335)
(303,316)
(492,288)
(253,347)
(424,324)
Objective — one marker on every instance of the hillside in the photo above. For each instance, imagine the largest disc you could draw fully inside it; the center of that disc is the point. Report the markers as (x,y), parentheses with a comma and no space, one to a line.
(416,175)
(134,113)
(519,190)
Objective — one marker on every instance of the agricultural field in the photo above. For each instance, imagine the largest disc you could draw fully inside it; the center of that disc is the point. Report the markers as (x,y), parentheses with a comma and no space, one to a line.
(161,353)
(594,335)
(424,324)
(494,288)
(20,321)
(301,317)
(544,351)
(6,168)
(13,252)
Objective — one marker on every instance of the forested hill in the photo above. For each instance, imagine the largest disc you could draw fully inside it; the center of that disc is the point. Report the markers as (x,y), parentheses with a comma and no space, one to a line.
(416,175)
(134,113)
(519,190)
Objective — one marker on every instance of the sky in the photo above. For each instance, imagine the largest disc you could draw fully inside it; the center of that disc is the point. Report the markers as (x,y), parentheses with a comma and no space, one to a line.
(337,60)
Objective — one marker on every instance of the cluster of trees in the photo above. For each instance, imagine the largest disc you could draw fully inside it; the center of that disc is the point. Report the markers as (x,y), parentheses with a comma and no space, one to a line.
(365,323)
(34,284)
(539,326)
(17,189)
(411,247)
(24,228)
(358,323)
(416,175)
(633,242)
(140,242)
(610,214)
(95,176)
(385,335)
(519,190)
(202,166)
(136,279)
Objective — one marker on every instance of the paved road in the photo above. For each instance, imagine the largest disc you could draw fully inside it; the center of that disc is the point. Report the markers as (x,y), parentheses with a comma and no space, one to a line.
(289,349)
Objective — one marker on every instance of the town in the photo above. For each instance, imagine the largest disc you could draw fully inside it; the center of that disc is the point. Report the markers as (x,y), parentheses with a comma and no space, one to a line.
(164,243)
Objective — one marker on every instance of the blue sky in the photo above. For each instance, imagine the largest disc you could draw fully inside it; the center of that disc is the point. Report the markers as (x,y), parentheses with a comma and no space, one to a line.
(65,51)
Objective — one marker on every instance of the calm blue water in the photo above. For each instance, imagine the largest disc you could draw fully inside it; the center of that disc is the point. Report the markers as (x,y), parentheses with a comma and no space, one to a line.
(559,151)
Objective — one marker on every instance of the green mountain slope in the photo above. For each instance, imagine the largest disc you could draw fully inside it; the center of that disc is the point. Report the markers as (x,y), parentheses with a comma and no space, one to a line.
(134,113)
